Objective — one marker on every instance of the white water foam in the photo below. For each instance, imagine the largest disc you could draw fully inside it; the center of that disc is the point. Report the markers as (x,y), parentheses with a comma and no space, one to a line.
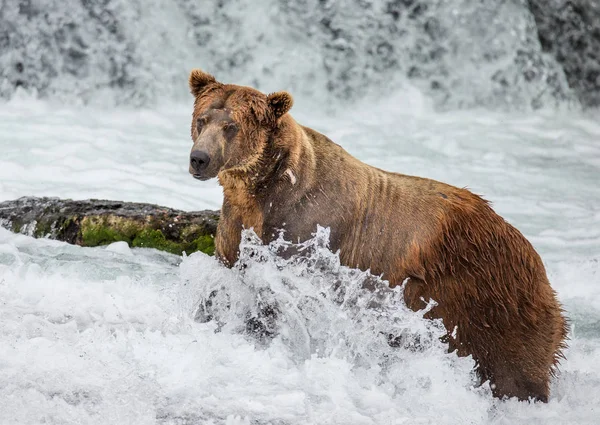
(94,336)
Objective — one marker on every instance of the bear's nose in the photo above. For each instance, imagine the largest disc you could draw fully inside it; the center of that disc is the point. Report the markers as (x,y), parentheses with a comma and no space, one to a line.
(199,160)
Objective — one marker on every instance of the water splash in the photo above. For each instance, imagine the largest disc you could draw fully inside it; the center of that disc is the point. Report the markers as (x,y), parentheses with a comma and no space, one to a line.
(318,308)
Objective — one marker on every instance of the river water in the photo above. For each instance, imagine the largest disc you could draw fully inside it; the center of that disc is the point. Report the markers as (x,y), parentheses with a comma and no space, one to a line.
(98,335)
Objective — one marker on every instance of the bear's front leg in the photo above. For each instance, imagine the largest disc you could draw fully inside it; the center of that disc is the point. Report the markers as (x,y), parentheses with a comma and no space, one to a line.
(228,238)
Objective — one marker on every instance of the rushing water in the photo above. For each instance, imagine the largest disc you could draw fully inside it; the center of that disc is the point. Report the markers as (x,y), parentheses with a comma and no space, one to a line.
(102,335)
(459,91)
(462,53)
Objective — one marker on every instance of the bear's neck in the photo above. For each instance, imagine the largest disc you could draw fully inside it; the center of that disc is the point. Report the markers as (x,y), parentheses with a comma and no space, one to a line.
(284,173)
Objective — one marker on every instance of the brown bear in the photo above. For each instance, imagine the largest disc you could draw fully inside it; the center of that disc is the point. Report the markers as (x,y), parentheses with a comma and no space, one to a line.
(489,283)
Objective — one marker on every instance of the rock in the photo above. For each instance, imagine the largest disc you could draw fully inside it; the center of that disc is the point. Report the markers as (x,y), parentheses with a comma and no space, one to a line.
(96,222)
(570,31)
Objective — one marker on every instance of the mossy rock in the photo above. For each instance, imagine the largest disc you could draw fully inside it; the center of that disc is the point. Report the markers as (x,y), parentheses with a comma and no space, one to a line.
(104,230)
(95,223)
(154,238)
(205,244)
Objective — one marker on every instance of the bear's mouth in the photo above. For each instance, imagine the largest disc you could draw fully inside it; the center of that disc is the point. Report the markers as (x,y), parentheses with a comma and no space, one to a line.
(200,177)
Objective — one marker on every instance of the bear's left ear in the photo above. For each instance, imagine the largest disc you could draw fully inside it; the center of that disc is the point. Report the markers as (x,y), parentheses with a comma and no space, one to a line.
(280,102)
(199,80)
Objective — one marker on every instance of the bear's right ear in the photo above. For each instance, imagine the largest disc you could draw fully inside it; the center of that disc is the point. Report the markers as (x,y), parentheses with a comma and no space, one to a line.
(199,80)
(280,102)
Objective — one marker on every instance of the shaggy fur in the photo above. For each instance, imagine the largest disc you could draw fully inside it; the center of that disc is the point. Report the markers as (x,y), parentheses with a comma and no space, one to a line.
(489,283)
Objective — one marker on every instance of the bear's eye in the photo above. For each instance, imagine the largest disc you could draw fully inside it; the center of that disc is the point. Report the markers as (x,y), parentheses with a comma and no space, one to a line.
(230,130)
(200,122)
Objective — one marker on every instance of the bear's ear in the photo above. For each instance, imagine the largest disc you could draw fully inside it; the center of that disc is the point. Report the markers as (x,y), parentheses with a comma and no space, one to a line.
(199,80)
(280,102)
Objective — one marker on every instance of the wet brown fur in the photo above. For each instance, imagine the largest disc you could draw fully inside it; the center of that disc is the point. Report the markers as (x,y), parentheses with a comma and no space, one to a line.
(489,282)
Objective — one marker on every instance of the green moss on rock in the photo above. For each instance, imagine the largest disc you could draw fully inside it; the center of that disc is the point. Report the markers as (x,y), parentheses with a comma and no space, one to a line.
(101,235)
(154,238)
(43,228)
(206,244)
(96,231)
(105,230)
(16,227)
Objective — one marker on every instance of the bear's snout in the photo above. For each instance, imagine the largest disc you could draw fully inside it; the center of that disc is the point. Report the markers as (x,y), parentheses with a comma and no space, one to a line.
(199,160)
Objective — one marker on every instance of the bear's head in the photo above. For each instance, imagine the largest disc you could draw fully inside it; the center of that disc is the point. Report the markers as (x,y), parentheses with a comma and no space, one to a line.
(231,125)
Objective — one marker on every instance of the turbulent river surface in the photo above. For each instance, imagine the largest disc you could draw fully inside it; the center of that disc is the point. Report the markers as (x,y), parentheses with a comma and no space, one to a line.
(106,335)
(472,93)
